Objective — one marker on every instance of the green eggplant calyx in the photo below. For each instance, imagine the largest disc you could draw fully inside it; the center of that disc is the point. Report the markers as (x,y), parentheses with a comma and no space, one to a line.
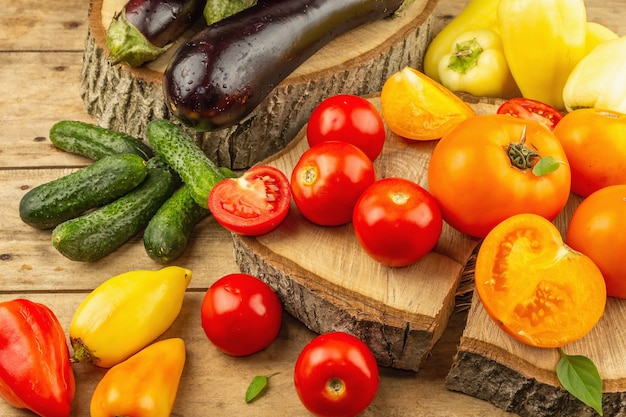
(465,56)
(127,45)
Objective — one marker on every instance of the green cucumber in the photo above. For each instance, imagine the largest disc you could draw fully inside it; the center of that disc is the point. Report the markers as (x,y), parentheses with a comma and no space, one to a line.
(95,142)
(96,234)
(167,233)
(183,155)
(107,179)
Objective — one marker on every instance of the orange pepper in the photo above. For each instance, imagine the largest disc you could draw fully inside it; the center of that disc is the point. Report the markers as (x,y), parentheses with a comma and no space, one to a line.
(144,385)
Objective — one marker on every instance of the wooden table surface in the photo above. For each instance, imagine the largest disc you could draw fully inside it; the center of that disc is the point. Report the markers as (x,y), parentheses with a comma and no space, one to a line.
(40,53)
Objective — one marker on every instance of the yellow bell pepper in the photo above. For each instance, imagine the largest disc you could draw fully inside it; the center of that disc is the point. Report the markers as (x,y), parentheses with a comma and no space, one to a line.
(596,34)
(125,313)
(478,14)
(543,41)
(476,65)
(144,385)
(599,79)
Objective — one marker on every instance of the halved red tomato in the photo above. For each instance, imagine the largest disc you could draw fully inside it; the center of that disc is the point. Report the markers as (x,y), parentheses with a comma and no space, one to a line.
(534,110)
(253,204)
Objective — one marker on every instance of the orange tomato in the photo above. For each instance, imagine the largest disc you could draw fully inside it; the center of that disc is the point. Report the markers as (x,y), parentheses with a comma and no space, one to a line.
(536,288)
(416,107)
(597,229)
(478,180)
(595,144)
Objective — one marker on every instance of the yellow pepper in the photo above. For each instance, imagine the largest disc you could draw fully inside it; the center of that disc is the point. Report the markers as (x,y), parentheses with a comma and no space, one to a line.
(144,385)
(476,65)
(597,34)
(125,313)
(599,79)
(543,41)
(478,14)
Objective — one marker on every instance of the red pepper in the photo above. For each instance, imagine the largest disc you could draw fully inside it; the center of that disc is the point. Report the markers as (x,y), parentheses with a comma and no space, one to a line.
(35,368)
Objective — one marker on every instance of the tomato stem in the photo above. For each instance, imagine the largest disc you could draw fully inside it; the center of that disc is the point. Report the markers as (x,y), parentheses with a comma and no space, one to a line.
(520,155)
(335,386)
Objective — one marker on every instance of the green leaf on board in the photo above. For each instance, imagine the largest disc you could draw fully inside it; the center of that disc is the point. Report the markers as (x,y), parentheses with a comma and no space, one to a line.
(257,386)
(580,377)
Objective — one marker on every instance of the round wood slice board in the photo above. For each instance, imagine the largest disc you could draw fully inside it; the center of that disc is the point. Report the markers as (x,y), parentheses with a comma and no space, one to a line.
(358,62)
(328,282)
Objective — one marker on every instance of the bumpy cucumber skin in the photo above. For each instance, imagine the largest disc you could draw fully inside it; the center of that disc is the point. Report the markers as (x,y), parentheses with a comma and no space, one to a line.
(97,234)
(167,234)
(107,179)
(95,142)
(184,156)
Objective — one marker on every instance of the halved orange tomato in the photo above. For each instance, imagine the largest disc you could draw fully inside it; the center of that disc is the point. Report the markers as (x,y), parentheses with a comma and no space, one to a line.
(535,287)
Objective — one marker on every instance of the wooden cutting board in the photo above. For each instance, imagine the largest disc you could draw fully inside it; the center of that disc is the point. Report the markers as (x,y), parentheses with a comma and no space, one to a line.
(358,62)
(329,283)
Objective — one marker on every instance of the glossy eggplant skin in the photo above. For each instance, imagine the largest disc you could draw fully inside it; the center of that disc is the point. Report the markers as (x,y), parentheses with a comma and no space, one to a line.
(163,21)
(220,75)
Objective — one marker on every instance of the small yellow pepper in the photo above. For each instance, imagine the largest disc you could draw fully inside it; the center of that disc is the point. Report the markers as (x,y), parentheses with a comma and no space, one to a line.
(599,79)
(478,14)
(144,385)
(543,41)
(125,313)
(476,65)
(597,34)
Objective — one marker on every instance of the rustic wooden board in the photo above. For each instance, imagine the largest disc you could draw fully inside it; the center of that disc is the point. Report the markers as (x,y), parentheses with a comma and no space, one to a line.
(329,283)
(357,62)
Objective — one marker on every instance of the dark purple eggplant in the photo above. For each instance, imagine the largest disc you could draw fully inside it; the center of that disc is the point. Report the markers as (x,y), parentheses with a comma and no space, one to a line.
(144,29)
(219,76)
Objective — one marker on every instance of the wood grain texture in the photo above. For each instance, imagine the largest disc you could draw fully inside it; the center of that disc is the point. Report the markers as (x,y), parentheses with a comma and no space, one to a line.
(357,62)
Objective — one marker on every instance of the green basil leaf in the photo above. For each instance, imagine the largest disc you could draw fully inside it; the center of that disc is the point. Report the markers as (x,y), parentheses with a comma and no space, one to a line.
(580,377)
(545,166)
(255,388)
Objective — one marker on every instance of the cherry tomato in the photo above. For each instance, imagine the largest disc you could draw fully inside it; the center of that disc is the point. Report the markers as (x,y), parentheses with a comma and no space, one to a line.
(327,181)
(348,118)
(491,167)
(595,144)
(253,204)
(336,375)
(597,229)
(529,109)
(535,287)
(397,221)
(241,314)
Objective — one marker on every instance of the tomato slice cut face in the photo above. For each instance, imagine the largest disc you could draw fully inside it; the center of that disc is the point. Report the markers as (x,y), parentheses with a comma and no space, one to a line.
(253,204)
(535,287)
(533,110)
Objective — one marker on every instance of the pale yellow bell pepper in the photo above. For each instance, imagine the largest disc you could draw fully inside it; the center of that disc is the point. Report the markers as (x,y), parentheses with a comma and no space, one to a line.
(476,65)
(599,79)
(543,41)
(596,34)
(478,14)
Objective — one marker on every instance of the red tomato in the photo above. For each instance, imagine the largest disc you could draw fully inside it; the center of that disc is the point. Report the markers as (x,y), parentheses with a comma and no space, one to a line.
(396,221)
(595,144)
(253,204)
(241,314)
(597,229)
(336,375)
(328,180)
(534,110)
(348,118)
(478,178)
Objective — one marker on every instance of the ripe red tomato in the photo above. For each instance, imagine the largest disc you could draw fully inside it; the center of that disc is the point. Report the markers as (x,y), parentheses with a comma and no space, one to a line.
(478,178)
(327,181)
(253,204)
(595,144)
(396,221)
(241,314)
(529,109)
(348,118)
(597,230)
(336,375)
